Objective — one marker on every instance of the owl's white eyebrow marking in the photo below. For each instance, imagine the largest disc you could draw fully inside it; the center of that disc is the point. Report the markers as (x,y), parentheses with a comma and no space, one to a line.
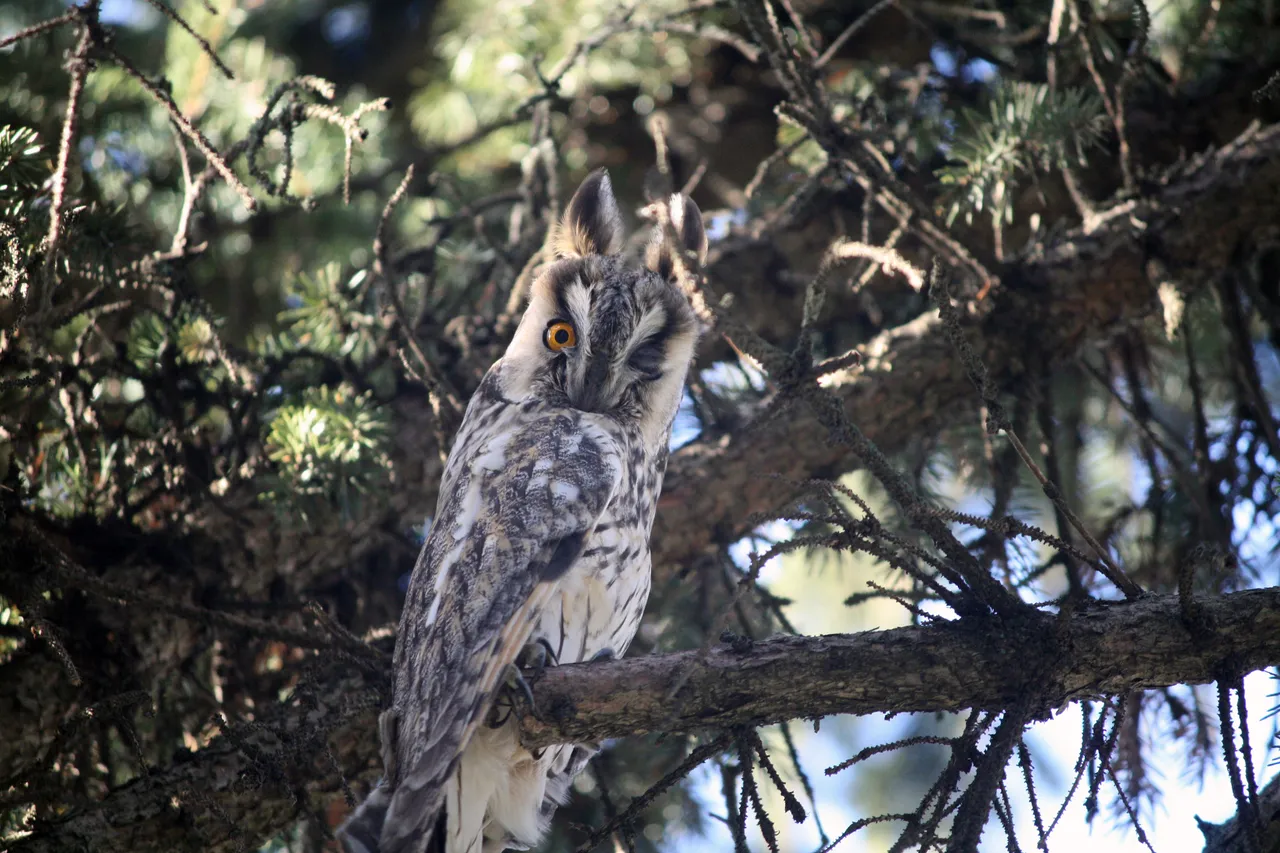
(578,299)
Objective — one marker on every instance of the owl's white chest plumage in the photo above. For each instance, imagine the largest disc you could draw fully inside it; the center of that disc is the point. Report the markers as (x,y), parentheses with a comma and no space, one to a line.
(598,607)
(599,602)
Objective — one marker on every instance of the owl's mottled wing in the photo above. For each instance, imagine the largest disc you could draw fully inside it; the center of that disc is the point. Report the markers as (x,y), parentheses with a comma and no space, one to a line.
(520,503)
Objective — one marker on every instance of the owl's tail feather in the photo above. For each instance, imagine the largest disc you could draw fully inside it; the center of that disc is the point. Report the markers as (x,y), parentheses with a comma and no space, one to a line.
(362,831)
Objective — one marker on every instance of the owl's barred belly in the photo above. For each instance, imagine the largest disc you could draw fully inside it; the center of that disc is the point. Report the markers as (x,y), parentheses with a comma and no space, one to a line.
(599,601)
(597,607)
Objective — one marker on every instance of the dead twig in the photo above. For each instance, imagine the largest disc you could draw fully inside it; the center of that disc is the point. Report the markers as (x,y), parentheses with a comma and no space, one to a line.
(79,66)
(42,27)
(193,133)
(445,407)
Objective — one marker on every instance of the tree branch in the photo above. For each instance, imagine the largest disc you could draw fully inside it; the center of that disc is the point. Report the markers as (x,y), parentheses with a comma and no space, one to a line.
(241,789)
(1231,836)
(1068,297)
(1108,649)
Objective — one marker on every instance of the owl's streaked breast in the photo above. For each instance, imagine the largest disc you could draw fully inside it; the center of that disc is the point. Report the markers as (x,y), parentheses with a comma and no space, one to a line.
(601,599)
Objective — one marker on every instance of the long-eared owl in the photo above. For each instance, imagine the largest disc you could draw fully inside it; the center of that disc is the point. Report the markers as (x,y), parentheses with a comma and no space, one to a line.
(540,536)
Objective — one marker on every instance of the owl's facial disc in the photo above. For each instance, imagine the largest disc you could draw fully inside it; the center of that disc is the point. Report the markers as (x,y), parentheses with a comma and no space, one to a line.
(607,344)
(604,336)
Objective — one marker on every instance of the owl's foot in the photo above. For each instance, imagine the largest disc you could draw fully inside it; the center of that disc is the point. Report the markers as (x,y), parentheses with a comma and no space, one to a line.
(531,661)
(603,654)
(508,702)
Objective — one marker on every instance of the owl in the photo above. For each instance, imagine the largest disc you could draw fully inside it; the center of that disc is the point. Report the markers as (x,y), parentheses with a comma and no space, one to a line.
(540,540)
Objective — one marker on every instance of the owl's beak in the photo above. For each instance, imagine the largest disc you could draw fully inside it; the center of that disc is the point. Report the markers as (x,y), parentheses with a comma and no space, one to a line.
(591,396)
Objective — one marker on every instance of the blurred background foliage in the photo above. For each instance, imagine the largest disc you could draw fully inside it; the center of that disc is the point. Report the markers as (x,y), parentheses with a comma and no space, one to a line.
(182,385)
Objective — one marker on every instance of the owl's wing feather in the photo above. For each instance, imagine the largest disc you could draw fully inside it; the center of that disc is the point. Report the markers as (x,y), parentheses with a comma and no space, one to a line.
(519,506)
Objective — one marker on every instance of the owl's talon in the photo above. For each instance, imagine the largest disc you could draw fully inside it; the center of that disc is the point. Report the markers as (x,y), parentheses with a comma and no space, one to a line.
(530,663)
(517,681)
(497,719)
(603,654)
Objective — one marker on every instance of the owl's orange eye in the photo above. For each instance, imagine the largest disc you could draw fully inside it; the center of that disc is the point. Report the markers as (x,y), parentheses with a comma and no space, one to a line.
(560,335)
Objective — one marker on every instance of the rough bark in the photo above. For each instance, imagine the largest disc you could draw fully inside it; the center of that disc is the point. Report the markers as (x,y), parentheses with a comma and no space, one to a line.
(223,795)
(237,791)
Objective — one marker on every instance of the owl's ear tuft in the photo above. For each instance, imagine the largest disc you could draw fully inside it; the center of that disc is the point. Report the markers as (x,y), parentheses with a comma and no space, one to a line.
(592,223)
(691,236)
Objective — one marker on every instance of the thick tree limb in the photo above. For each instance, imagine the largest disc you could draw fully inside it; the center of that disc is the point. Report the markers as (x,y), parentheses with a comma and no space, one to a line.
(220,797)
(239,790)
(1105,650)
(1077,293)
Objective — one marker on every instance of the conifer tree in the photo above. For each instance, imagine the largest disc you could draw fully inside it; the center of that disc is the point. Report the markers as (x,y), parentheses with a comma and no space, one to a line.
(993,359)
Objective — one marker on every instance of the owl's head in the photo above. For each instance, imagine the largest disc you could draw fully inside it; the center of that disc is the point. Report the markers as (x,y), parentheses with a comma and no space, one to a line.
(602,335)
